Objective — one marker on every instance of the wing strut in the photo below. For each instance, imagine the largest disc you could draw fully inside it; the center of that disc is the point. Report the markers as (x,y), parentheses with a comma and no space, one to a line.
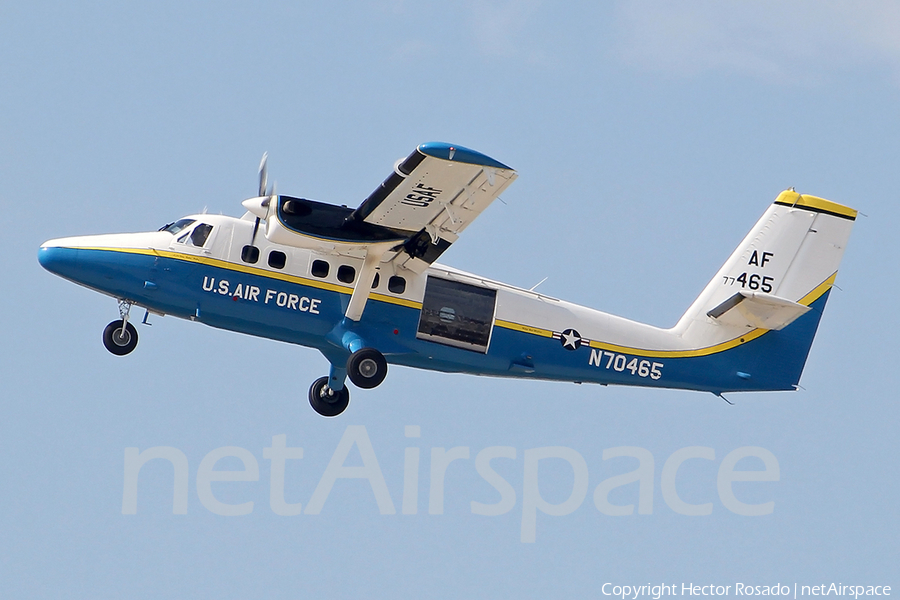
(363,288)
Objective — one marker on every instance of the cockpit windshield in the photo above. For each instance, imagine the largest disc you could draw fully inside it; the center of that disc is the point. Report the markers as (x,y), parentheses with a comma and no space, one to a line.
(177,226)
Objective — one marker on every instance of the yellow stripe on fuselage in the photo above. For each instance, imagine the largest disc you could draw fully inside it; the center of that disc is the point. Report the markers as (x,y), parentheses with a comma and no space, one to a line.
(523,328)
(752,335)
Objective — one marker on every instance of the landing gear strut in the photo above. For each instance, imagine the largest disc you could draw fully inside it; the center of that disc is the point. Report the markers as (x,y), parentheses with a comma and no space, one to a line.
(120,337)
(326,401)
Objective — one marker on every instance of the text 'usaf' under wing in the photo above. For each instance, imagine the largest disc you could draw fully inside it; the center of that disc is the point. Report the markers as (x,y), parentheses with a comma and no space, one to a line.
(434,195)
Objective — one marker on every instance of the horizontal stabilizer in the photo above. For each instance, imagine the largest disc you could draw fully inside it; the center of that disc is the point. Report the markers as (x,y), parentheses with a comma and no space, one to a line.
(757,310)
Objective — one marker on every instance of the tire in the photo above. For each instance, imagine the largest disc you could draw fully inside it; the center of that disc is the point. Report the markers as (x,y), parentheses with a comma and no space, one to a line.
(120,341)
(325,401)
(367,368)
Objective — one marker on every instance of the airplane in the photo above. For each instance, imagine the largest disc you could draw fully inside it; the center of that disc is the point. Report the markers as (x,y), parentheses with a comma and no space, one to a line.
(363,286)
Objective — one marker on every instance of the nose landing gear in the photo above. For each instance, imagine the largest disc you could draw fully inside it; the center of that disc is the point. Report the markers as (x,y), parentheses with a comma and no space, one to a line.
(120,337)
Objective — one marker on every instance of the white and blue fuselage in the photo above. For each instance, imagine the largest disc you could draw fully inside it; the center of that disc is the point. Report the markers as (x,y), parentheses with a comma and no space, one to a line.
(217,270)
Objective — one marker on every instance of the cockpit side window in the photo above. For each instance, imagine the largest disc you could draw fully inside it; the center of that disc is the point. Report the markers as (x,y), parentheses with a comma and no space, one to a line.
(201,234)
(177,226)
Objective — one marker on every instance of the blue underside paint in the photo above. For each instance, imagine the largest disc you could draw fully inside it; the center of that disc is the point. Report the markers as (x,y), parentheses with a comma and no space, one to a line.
(460,154)
(282,311)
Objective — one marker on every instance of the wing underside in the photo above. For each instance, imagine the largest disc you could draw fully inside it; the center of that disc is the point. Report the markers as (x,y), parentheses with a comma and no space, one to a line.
(408,221)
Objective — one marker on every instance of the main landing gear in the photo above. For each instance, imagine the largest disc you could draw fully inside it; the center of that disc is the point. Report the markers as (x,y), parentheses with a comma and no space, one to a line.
(120,337)
(367,368)
(329,396)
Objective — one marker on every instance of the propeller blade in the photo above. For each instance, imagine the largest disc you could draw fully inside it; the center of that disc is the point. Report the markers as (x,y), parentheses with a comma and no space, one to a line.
(259,205)
(255,229)
(263,173)
(270,204)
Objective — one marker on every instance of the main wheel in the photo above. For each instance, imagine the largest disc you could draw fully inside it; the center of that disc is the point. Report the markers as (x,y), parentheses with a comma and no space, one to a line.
(367,368)
(120,340)
(326,401)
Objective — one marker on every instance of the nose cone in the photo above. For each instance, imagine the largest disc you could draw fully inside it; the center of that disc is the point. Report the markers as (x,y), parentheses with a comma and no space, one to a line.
(258,206)
(58,259)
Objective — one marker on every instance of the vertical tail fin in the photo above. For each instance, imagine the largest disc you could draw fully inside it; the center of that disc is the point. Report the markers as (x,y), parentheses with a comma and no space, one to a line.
(774,286)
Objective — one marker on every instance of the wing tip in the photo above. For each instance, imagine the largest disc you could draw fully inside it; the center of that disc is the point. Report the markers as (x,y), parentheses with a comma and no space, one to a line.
(455,153)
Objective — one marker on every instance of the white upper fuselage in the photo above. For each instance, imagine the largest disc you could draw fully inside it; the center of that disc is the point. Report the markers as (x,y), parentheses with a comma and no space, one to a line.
(515,306)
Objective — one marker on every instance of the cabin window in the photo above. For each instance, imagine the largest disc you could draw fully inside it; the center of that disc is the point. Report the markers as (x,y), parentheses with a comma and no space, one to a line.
(346,274)
(277,259)
(201,234)
(457,314)
(397,284)
(250,254)
(319,268)
(376,281)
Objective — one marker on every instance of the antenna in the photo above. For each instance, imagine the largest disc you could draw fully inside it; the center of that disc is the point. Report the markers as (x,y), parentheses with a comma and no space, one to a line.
(719,394)
(534,287)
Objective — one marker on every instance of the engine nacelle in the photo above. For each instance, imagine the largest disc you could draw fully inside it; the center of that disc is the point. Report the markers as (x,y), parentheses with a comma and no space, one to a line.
(319,226)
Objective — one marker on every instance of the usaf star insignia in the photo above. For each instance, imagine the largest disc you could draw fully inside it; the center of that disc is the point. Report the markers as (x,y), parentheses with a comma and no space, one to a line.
(571,340)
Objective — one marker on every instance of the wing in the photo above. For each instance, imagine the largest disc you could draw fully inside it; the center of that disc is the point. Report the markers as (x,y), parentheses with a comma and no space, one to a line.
(432,196)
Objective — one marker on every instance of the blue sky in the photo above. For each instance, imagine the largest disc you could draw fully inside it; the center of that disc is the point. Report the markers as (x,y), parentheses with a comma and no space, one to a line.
(648,137)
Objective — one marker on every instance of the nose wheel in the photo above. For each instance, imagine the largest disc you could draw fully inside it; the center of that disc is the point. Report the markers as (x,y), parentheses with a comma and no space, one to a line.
(120,337)
(326,401)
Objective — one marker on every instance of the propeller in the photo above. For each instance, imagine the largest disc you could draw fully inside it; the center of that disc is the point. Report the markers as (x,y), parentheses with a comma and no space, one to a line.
(260,205)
